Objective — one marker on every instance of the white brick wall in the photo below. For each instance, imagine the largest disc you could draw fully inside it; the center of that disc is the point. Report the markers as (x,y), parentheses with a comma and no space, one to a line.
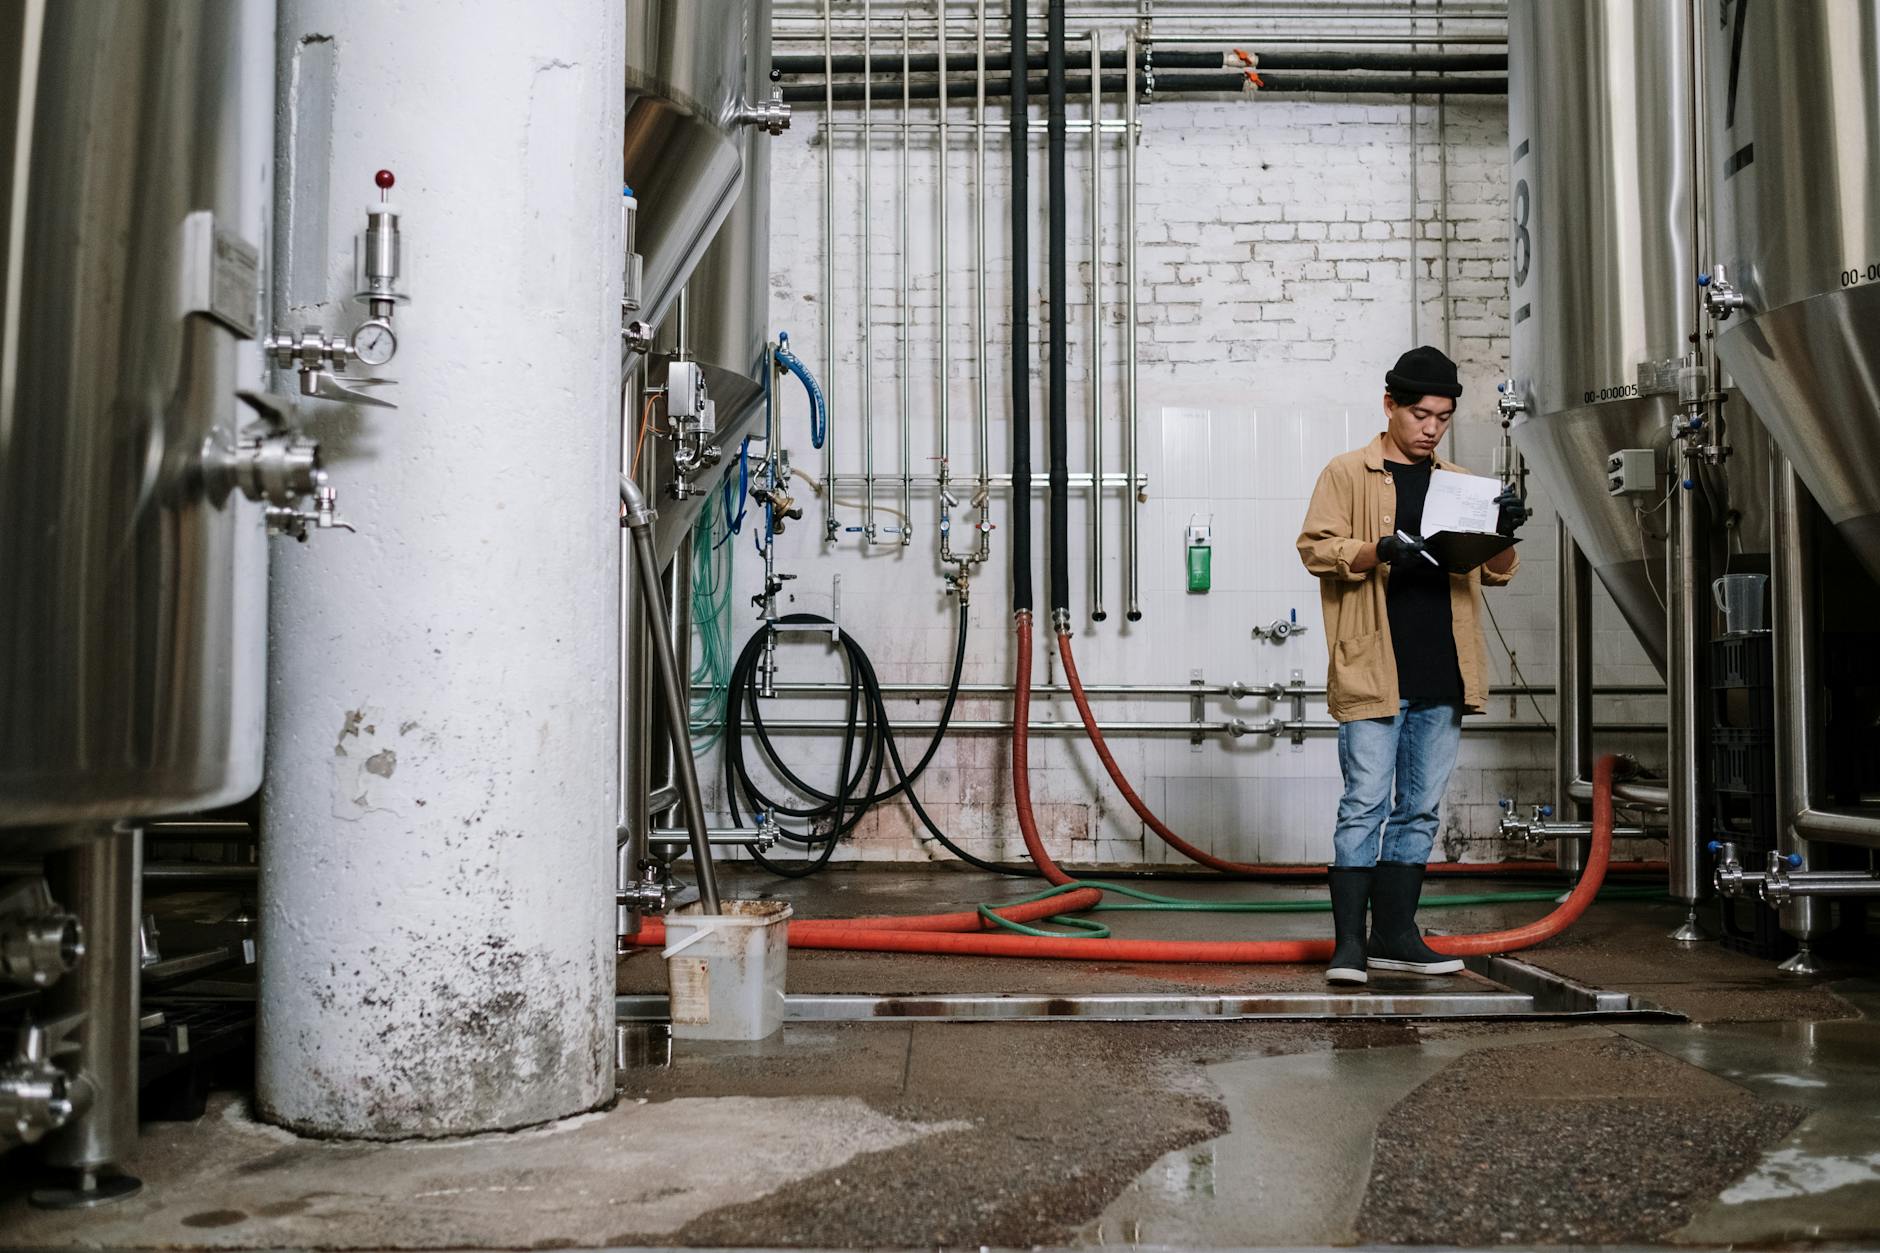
(1275,259)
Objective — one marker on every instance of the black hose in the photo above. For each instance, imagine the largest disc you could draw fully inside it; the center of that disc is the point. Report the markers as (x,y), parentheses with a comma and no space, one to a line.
(1021,318)
(1058,280)
(1216,83)
(870,748)
(888,65)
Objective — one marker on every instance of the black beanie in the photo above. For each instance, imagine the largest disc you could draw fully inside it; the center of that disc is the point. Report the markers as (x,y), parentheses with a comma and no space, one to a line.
(1425,371)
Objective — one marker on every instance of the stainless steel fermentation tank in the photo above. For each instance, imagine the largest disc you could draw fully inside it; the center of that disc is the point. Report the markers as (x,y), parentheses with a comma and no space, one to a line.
(1793,105)
(1794,114)
(132,624)
(1608,219)
(137,135)
(683,151)
(698,159)
(1602,271)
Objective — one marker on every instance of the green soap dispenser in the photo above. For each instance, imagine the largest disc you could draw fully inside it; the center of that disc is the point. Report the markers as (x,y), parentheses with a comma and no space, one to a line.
(1200,555)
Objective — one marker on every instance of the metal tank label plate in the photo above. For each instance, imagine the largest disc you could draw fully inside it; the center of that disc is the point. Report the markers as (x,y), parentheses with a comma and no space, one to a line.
(221,274)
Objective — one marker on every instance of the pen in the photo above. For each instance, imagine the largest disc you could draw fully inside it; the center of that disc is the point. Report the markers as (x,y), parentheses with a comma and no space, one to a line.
(1426,552)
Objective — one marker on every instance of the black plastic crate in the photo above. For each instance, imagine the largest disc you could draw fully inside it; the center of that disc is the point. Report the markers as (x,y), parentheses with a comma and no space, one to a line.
(1744,708)
(1748,818)
(1746,925)
(1742,661)
(1742,760)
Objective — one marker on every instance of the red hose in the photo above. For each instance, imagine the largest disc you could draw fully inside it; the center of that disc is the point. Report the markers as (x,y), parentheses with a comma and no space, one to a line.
(880,935)
(1245,869)
(1021,755)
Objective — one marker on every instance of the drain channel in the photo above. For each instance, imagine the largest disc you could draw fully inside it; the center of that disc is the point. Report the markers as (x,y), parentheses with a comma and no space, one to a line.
(1503,988)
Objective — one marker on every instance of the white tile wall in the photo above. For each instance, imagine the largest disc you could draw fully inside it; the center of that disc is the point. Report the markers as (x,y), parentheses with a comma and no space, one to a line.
(1275,259)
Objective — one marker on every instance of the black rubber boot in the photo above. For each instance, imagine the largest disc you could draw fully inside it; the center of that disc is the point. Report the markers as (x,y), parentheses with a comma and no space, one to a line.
(1351,892)
(1396,944)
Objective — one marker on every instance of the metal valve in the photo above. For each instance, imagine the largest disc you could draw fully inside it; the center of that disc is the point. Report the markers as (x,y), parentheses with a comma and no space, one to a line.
(1280,629)
(771,116)
(39,942)
(1508,401)
(36,1096)
(320,359)
(323,517)
(773,583)
(1720,296)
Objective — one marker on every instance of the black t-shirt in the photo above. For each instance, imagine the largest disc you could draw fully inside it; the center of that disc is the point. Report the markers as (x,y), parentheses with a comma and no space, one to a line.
(1416,596)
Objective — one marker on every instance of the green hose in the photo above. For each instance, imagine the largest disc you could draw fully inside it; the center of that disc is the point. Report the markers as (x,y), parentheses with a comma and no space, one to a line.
(1150,901)
(711,626)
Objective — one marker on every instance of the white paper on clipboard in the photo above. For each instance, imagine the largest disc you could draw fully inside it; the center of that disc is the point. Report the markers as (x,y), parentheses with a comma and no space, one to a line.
(1460,502)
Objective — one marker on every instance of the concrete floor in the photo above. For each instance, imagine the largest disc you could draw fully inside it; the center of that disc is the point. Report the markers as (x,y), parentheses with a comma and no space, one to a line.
(1756,1122)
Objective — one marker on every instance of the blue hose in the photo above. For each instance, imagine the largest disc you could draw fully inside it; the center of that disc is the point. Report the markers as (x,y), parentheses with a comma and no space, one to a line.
(818,407)
(734,523)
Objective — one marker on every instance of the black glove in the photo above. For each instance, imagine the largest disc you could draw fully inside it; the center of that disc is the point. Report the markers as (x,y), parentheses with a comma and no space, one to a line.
(1394,548)
(1514,511)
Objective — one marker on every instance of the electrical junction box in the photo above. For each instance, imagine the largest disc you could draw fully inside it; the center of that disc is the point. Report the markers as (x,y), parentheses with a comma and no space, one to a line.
(685,390)
(1200,556)
(1633,472)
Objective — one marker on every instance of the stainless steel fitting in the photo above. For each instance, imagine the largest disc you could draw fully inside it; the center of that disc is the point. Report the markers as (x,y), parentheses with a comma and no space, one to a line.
(1721,298)
(36,1096)
(39,942)
(771,116)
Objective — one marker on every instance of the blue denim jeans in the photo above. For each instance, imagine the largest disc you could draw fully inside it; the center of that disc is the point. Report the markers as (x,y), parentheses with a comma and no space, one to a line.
(1417,749)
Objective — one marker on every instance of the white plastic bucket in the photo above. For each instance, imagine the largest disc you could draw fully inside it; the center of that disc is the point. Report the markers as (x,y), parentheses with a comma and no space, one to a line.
(726,970)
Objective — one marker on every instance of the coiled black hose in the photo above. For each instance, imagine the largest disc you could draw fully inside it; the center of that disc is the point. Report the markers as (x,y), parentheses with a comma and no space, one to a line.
(869,750)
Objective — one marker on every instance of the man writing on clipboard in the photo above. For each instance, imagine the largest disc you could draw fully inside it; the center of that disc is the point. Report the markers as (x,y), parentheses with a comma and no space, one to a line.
(1407,655)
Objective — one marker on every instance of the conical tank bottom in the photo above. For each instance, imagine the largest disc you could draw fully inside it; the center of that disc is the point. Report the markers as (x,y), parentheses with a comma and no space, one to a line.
(1622,536)
(1812,370)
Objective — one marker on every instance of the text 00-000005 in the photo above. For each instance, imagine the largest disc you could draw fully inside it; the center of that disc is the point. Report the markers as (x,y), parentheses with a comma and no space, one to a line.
(1624,391)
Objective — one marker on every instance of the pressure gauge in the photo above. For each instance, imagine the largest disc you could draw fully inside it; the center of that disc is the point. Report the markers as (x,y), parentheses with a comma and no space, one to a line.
(374,343)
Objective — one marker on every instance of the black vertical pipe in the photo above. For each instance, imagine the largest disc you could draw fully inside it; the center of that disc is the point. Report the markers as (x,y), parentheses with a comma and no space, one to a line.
(1060,433)
(1021,321)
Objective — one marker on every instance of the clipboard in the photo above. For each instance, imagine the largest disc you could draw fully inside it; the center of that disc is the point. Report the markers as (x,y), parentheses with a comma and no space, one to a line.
(1462,551)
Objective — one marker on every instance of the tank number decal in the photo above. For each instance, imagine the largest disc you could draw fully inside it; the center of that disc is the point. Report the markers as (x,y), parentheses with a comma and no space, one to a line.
(1519,237)
(1736,60)
(1623,392)
(1854,277)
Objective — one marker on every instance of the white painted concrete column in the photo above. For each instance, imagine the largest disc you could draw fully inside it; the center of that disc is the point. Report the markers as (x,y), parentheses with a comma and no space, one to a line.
(438,816)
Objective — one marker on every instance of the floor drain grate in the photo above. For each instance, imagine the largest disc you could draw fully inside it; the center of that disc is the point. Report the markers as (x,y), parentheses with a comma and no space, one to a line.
(1501,988)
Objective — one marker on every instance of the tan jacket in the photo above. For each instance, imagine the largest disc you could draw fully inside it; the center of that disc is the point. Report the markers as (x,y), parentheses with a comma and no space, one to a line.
(1351,507)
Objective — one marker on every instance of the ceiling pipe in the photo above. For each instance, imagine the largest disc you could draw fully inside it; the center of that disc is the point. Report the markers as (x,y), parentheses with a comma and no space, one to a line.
(889,65)
(1215,83)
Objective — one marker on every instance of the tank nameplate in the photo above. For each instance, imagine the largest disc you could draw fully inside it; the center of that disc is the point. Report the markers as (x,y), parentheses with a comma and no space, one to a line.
(221,274)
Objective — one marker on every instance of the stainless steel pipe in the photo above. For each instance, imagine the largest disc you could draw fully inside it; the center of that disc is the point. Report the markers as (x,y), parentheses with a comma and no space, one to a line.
(868,287)
(1097,612)
(1802,885)
(100,881)
(1573,712)
(673,687)
(941,186)
(828,270)
(1132,566)
(1237,690)
(907,290)
(1798,744)
(1235,728)
(1687,664)
(983,548)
